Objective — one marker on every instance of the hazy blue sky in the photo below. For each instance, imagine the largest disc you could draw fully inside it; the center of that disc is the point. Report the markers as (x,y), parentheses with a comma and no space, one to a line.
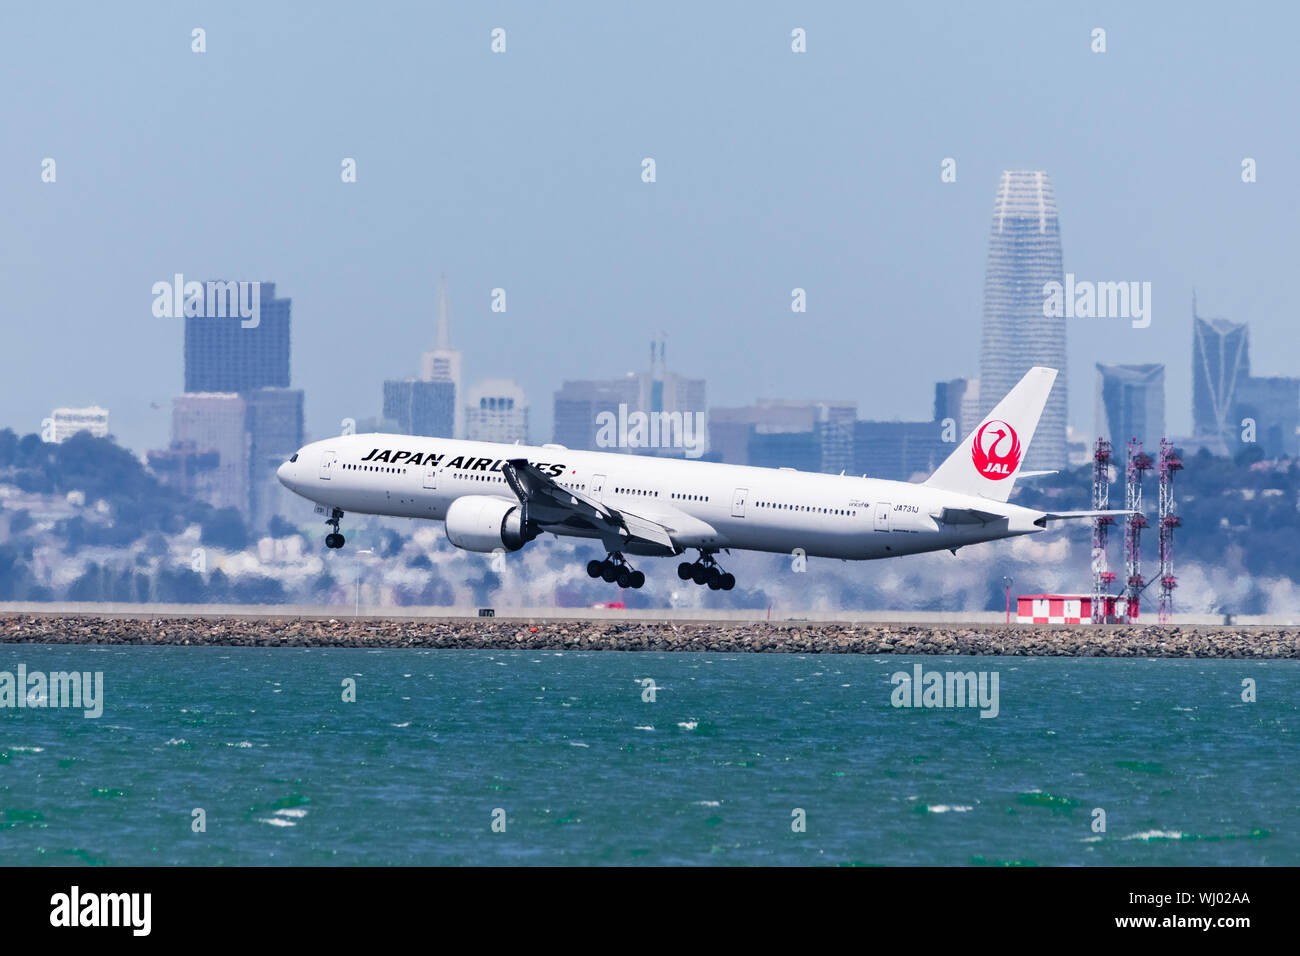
(522,170)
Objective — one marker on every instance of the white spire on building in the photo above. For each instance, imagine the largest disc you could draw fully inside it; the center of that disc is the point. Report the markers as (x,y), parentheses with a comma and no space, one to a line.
(442,363)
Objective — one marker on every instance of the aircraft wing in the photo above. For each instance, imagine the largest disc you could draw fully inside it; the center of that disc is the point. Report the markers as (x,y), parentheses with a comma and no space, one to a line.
(549,503)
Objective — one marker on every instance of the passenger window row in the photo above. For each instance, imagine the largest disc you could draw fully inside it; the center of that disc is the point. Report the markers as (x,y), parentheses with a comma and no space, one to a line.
(395,471)
(781,506)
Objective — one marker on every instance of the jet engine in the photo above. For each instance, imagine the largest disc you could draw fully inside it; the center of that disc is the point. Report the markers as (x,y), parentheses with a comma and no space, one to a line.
(486,524)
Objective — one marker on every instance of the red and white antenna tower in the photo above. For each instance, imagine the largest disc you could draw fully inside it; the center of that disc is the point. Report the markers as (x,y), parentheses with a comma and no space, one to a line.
(1170,462)
(1102,576)
(1138,465)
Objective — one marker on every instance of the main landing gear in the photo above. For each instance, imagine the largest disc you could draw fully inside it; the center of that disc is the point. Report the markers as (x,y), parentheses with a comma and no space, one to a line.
(616,570)
(706,571)
(334,539)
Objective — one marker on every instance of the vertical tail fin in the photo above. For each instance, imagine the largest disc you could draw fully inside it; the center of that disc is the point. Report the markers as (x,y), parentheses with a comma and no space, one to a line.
(988,461)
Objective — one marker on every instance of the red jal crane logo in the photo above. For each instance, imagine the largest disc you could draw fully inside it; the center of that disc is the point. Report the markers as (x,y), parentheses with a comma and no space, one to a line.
(996,452)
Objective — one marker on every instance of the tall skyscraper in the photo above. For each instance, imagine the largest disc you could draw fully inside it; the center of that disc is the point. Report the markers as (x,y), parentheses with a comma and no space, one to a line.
(223,356)
(1024,255)
(442,362)
(1130,404)
(1220,365)
(496,411)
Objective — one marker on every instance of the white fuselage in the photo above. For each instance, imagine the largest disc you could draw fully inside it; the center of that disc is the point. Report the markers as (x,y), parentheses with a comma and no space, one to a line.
(704,505)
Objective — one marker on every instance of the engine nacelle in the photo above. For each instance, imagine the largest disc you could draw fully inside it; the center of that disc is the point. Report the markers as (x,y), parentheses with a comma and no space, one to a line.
(486,524)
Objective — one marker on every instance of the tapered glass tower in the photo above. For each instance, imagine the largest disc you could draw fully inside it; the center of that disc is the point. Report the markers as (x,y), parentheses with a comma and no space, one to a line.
(1024,255)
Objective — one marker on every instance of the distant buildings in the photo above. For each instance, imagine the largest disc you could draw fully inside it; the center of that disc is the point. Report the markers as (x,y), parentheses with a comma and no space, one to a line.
(430,405)
(1220,361)
(1130,404)
(606,415)
(497,411)
(221,355)
(899,451)
(421,408)
(66,422)
(212,423)
(238,419)
(274,422)
(959,399)
(1024,255)
(826,436)
(1273,406)
(187,468)
(577,403)
(1230,408)
(442,364)
(809,435)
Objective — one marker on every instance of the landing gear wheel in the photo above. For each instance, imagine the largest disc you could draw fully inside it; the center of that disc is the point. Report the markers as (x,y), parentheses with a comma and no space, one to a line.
(334,539)
(706,571)
(616,570)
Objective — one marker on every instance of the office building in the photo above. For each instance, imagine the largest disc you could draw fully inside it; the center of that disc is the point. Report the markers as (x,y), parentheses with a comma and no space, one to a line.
(496,411)
(1220,364)
(223,356)
(1270,408)
(421,408)
(1024,255)
(66,422)
(1130,403)
(216,422)
(274,422)
(599,415)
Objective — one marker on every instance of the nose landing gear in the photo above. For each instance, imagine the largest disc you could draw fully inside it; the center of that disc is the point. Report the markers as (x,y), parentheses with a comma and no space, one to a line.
(706,571)
(614,569)
(334,539)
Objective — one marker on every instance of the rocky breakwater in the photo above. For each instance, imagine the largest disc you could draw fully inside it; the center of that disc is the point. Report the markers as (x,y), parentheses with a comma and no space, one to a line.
(615,635)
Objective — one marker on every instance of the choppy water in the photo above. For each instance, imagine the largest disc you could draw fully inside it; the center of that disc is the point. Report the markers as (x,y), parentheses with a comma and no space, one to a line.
(587,771)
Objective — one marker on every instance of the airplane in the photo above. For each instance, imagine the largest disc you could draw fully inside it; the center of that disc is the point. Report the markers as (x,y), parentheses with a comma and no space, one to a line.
(497,497)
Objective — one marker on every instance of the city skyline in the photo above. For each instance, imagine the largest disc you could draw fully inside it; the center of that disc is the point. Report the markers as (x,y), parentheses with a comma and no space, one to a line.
(791,189)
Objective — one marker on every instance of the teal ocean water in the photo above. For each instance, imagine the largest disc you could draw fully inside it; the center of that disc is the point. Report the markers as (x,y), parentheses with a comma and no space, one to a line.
(712,771)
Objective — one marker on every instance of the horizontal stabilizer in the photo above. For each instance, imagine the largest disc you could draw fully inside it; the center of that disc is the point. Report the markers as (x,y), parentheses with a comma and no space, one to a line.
(1060,515)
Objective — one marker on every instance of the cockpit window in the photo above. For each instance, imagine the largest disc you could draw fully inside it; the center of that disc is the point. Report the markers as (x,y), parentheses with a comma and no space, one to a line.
(294,458)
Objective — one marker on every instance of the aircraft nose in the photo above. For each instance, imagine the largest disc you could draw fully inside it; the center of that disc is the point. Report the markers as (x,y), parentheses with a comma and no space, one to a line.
(286,470)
